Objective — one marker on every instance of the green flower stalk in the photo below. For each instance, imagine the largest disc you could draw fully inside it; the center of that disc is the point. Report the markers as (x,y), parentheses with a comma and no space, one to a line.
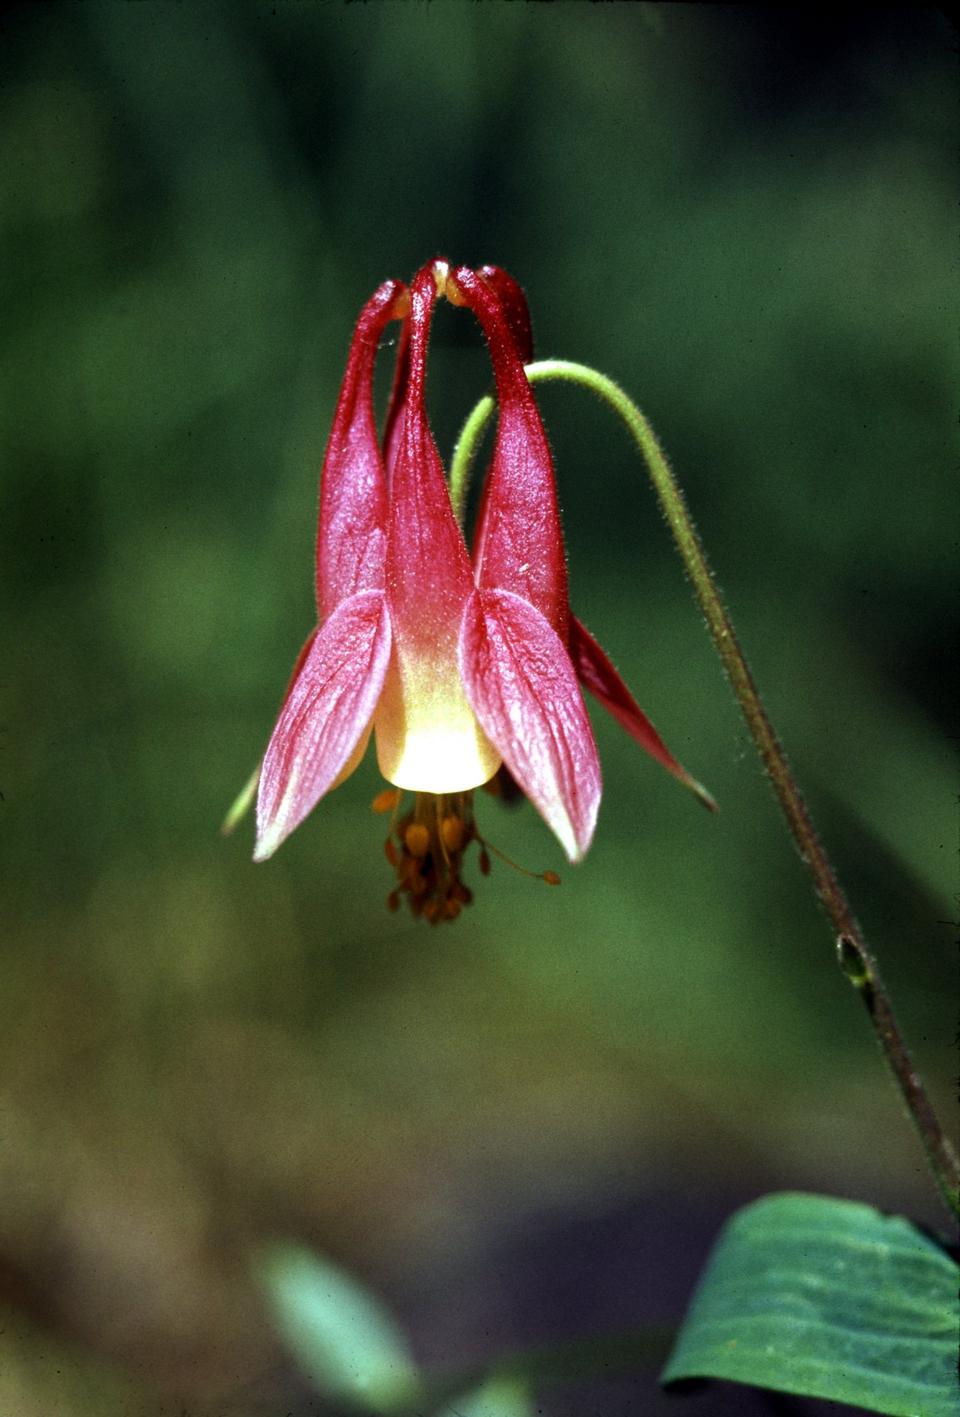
(855,956)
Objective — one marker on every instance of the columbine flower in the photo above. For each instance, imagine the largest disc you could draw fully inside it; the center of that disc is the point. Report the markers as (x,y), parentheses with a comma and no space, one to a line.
(457,668)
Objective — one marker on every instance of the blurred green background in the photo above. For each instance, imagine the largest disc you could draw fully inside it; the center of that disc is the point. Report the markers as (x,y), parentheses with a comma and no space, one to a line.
(528,1125)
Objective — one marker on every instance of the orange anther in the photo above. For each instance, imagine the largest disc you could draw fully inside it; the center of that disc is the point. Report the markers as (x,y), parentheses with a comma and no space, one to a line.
(393,901)
(392,853)
(444,285)
(452,833)
(400,308)
(417,839)
(386,800)
(551,878)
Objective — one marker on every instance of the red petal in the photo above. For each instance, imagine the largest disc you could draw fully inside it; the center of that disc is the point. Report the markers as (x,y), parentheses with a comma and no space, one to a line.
(597,674)
(515,308)
(393,424)
(427,556)
(524,692)
(519,544)
(428,571)
(351,532)
(326,712)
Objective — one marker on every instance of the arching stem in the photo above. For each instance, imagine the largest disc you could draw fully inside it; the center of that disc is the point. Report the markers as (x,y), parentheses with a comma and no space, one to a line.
(855,956)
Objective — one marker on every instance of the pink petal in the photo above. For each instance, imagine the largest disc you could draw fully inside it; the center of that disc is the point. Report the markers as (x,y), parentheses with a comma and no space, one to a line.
(325,714)
(524,692)
(305,649)
(597,674)
(351,531)
(519,543)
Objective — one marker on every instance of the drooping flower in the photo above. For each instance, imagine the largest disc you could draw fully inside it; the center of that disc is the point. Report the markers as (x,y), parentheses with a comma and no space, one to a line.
(457,668)
(520,614)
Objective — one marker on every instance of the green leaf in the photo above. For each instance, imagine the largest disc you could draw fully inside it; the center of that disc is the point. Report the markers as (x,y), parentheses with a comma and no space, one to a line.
(826,1298)
(344,1339)
(500,1397)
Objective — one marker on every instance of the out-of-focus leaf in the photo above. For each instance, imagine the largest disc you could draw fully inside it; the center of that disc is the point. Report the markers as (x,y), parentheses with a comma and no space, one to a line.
(500,1397)
(241,804)
(503,1388)
(826,1298)
(341,1335)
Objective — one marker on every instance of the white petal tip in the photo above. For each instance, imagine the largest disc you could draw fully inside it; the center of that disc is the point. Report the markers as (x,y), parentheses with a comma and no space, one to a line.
(563,831)
(268,843)
(700,792)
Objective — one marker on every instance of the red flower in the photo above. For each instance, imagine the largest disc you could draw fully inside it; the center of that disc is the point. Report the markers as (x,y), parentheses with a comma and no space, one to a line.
(456,668)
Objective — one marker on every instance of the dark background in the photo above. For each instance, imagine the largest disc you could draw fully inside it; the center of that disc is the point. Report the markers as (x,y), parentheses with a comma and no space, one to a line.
(528,1126)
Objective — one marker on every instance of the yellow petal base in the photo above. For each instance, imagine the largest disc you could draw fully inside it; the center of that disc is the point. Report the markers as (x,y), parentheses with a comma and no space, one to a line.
(428,737)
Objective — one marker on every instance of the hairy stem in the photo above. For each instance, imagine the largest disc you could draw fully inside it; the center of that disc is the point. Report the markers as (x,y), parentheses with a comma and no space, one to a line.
(461,464)
(855,956)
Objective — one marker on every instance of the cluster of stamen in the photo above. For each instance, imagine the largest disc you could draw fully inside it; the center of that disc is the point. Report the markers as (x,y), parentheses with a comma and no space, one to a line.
(426,848)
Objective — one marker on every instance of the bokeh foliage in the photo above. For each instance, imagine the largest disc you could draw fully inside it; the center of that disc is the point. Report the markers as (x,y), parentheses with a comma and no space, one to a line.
(746,217)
